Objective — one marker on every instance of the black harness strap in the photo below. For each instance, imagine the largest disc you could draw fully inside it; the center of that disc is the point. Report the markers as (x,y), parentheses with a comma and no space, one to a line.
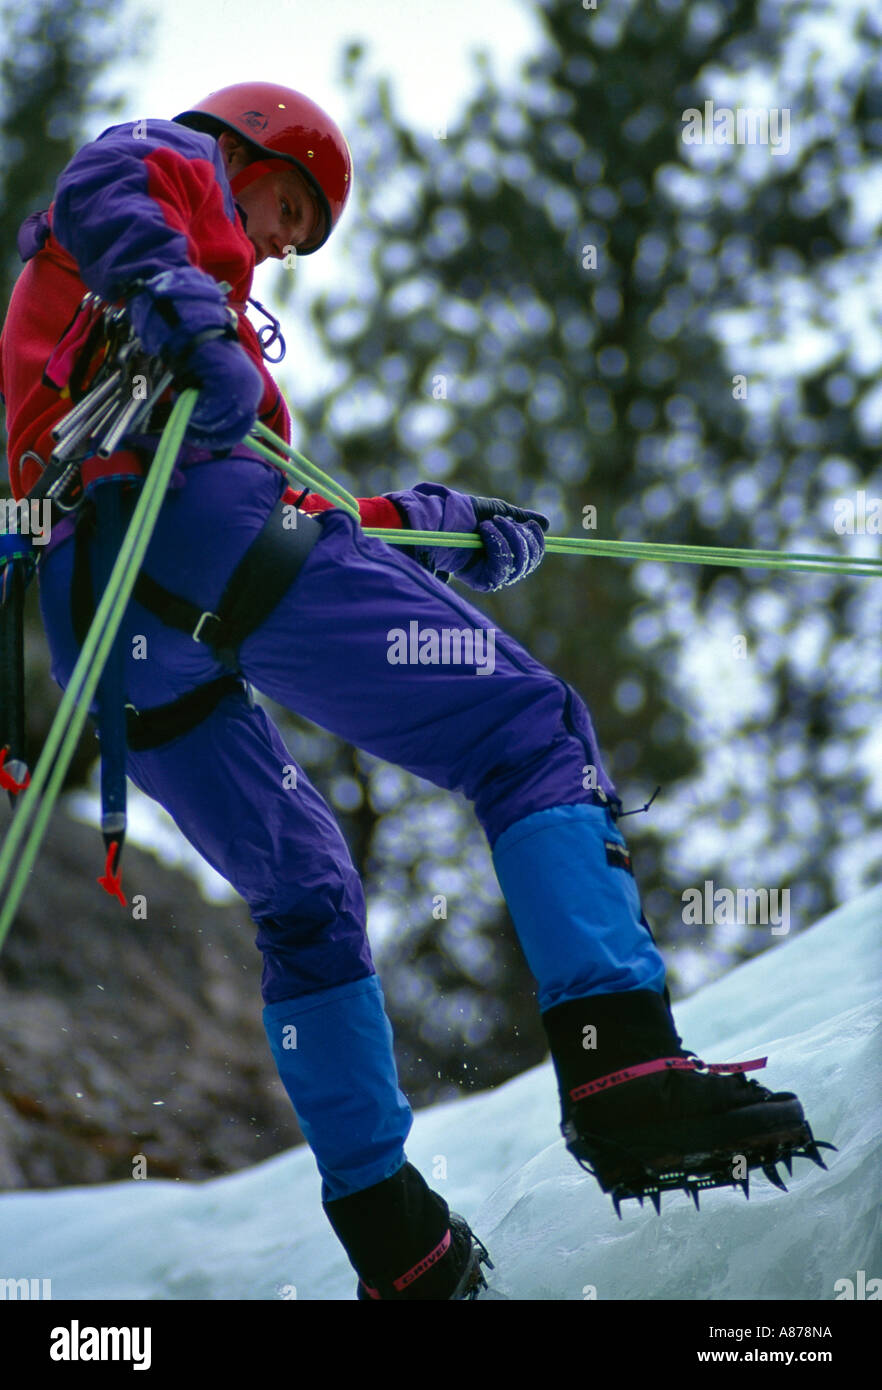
(149,728)
(264,574)
(15,572)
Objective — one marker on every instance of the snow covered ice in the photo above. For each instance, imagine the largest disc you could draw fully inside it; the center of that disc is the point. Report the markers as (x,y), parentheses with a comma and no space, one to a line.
(812,1004)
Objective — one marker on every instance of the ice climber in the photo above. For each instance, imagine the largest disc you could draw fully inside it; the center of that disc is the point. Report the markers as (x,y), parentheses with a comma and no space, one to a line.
(168,218)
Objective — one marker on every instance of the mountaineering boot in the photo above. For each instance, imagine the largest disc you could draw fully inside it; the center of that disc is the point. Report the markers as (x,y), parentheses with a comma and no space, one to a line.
(649,1117)
(404,1243)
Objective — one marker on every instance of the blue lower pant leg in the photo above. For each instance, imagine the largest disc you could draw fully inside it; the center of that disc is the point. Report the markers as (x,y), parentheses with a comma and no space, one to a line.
(566,877)
(333,1050)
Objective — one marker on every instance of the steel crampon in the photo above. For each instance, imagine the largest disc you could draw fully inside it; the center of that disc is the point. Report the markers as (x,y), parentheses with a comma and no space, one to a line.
(623,1174)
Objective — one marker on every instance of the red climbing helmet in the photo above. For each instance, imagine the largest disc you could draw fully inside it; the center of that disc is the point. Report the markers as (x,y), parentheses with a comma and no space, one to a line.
(289,127)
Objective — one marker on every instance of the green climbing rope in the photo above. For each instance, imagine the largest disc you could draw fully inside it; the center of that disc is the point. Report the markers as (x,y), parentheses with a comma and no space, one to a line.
(650,550)
(299,469)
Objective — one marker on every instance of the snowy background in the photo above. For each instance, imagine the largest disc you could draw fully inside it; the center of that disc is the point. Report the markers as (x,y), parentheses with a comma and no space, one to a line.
(813,1005)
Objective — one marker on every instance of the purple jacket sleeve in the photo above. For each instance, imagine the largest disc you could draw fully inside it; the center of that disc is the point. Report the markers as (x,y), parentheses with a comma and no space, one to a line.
(143,205)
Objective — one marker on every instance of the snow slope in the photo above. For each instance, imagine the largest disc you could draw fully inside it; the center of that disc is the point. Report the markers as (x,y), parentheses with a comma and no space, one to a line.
(812,1004)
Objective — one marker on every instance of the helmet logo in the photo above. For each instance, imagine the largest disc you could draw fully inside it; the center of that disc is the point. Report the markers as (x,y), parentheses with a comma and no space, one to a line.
(256,120)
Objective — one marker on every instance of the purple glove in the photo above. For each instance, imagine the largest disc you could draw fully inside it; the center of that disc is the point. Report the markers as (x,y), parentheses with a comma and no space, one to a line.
(182,315)
(230,391)
(175,307)
(514,543)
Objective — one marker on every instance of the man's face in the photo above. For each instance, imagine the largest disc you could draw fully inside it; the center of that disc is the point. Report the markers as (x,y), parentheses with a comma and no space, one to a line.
(282,212)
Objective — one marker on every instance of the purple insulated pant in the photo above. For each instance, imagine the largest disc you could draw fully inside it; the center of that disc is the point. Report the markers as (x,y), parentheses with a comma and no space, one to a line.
(342,648)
